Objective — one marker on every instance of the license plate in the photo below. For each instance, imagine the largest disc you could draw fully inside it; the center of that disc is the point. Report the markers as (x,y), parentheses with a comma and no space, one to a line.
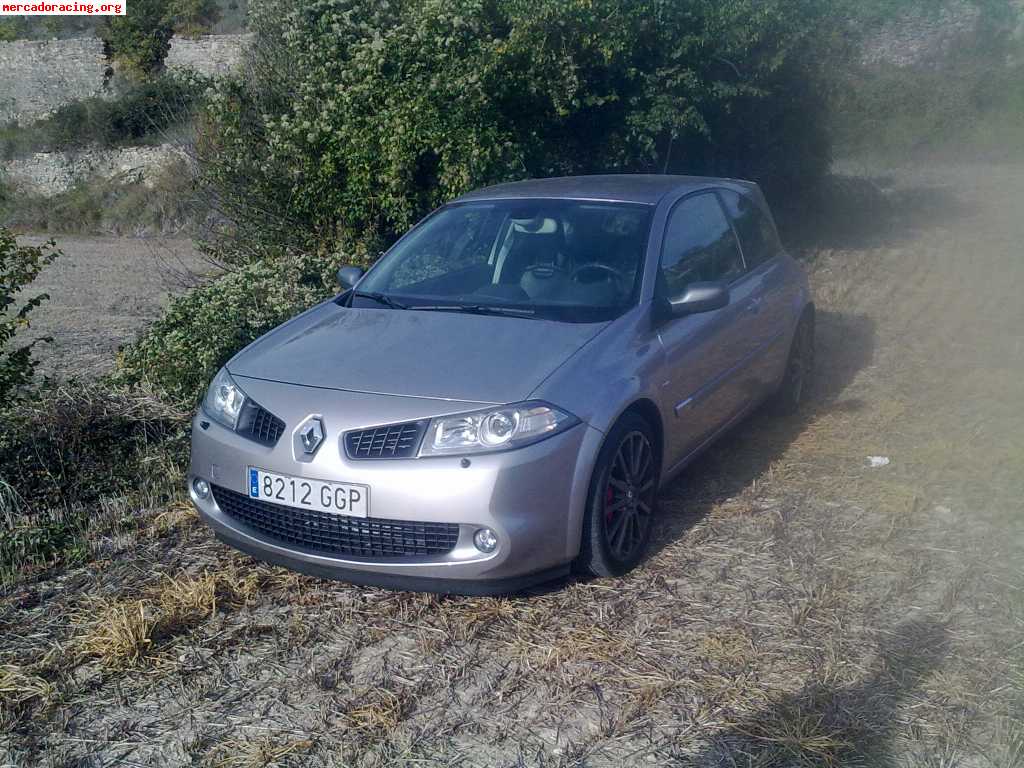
(306,493)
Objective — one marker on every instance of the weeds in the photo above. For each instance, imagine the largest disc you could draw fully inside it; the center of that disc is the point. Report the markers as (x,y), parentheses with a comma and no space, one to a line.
(142,114)
(77,458)
(160,204)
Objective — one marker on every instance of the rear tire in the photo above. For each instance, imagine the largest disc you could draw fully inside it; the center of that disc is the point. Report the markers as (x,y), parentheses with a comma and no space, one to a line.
(793,389)
(621,505)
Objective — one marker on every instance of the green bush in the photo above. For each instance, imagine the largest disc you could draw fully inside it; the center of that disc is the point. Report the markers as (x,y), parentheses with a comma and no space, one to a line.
(142,114)
(193,17)
(139,40)
(180,352)
(19,266)
(360,117)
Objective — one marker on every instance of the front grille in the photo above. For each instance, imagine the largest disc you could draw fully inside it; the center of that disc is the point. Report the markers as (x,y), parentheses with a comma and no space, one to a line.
(337,534)
(259,424)
(394,441)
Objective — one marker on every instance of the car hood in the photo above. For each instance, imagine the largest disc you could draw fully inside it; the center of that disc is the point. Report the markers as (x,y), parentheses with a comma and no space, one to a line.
(444,355)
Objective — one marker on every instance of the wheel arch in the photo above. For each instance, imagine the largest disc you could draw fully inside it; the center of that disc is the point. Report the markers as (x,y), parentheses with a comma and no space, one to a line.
(646,409)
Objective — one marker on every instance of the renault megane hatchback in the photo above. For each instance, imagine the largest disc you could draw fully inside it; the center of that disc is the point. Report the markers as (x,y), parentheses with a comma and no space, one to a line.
(501,395)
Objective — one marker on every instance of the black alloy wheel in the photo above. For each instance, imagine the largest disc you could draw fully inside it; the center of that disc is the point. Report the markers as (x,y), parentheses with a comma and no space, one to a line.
(621,509)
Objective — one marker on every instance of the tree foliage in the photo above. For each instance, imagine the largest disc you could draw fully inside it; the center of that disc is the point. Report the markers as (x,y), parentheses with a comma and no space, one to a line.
(19,266)
(193,17)
(139,40)
(357,118)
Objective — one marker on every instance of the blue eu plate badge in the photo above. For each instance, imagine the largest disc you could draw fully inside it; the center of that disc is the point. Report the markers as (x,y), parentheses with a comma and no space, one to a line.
(254,483)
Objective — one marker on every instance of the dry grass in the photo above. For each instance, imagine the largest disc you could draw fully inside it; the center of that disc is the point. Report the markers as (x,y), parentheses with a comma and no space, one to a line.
(378,711)
(127,630)
(122,634)
(19,686)
(256,754)
(175,517)
(793,736)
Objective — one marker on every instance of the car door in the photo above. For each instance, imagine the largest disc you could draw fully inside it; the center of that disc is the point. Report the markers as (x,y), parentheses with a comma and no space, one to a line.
(768,292)
(705,382)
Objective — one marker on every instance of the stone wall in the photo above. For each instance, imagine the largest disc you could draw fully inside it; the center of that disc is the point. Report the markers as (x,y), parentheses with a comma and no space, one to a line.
(51,172)
(36,77)
(208,54)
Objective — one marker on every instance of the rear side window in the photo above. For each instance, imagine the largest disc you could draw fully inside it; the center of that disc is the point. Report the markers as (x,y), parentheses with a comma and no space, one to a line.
(699,245)
(755,229)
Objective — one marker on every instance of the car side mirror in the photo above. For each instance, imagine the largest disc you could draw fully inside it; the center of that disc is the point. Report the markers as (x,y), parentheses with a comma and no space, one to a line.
(699,297)
(348,277)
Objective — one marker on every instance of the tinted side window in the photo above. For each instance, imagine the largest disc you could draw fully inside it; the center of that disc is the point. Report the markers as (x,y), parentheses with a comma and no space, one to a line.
(699,245)
(757,235)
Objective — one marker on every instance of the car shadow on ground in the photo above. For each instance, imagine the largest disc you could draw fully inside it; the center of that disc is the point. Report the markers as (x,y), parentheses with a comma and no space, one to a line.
(826,722)
(845,345)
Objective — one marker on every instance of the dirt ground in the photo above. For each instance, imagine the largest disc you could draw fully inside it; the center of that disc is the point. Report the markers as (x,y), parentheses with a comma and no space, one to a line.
(103,291)
(801,607)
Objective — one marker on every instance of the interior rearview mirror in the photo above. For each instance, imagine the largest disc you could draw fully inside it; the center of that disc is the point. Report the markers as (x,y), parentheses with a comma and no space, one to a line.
(699,297)
(348,277)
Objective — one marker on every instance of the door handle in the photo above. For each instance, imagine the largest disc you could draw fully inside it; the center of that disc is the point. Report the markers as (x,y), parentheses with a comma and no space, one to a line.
(754,306)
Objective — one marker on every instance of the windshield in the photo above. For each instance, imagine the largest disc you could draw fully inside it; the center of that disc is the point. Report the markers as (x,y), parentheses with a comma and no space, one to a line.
(570,260)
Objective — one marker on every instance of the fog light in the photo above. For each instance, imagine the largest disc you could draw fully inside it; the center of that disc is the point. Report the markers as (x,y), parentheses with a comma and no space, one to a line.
(201,487)
(486,540)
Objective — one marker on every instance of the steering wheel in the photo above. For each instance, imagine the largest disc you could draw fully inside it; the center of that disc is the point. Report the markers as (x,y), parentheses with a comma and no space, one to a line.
(544,271)
(603,270)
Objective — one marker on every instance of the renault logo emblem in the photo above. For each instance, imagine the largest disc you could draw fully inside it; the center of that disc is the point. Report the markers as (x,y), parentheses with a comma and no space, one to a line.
(311,434)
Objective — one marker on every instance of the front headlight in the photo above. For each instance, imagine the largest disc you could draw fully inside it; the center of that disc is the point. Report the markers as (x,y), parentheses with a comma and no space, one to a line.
(495,429)
(224,400)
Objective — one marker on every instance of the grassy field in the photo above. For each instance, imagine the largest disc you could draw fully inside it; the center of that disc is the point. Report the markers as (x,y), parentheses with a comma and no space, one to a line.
(800,607)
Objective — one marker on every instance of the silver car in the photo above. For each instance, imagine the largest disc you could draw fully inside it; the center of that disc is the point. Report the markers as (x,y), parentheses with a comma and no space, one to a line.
(499,398)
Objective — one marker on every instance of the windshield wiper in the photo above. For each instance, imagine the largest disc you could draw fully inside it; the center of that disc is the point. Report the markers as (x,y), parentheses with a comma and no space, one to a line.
(380,298)
(475,309)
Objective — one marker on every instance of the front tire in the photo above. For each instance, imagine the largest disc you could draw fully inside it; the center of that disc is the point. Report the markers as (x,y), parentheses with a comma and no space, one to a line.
(621,505)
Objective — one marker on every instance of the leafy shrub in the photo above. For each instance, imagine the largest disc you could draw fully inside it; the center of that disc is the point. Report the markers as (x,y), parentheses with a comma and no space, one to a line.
(359,117)
(45,27)
(191,18)
(180,352)
(139,40)
(145,111)
(19,266)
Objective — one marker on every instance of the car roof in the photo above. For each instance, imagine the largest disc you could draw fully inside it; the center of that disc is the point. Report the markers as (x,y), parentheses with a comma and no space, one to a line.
(622,187)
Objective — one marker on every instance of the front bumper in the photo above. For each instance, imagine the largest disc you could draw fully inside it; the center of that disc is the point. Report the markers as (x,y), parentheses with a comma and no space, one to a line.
(533,498)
